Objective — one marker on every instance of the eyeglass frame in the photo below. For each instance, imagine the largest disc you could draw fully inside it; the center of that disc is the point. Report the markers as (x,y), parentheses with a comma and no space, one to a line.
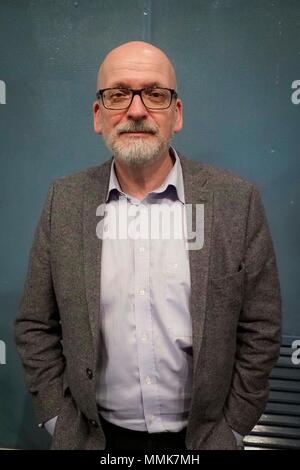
(138,92)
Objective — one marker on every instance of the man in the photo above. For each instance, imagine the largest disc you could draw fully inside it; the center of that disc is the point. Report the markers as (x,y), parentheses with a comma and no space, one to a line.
(164,345)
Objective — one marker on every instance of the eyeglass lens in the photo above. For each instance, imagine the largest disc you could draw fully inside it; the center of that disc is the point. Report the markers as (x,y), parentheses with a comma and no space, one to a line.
(120,98)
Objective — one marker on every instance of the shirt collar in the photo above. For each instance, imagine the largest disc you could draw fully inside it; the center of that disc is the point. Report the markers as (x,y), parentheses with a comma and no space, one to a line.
(173,179)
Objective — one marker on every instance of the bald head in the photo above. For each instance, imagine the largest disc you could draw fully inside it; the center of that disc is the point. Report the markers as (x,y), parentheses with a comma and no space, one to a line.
(131,61)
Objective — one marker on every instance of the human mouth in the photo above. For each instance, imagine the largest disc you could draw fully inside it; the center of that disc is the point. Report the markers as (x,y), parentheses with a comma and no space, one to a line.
(131,130)
(138,132)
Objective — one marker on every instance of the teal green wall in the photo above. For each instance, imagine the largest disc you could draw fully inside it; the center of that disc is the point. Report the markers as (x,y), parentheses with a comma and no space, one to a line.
(235,60)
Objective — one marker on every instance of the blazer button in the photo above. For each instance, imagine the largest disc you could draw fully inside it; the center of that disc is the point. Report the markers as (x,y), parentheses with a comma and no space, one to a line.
(94,423)
(89,373)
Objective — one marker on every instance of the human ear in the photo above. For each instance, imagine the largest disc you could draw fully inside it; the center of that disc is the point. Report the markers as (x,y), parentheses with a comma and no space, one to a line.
(178,124)
(97,117)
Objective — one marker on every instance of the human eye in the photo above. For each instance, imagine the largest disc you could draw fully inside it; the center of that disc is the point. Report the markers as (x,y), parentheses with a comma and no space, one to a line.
(118,94)
(156,94)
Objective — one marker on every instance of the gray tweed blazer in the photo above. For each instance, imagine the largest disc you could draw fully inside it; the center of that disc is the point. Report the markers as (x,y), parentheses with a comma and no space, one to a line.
(235,308)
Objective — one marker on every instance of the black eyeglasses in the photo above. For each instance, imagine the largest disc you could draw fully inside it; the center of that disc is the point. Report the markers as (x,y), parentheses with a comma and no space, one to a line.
(121,98)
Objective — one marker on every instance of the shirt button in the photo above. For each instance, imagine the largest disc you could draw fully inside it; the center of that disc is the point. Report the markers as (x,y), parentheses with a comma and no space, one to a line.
(144,338)
(148,381)
(89,373)
(151,418)
(141,292)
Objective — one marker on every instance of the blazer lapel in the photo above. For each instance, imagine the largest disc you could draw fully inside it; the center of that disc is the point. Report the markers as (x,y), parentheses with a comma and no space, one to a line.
(95,194)
(195,178)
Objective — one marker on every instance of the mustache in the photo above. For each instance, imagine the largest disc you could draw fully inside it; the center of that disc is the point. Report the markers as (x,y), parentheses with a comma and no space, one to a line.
(136,126)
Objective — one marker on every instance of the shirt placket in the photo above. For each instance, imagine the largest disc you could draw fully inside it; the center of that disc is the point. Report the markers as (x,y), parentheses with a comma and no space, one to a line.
(144,327)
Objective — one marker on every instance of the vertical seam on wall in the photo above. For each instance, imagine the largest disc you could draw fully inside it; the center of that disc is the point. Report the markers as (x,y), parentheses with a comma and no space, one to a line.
(147,20)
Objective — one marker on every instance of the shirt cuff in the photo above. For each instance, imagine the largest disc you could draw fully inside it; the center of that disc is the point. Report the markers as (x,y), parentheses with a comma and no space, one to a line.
(49,425)
(239,438)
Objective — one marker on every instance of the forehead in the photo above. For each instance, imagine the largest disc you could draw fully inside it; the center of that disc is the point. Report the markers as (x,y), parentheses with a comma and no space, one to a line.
(136,72)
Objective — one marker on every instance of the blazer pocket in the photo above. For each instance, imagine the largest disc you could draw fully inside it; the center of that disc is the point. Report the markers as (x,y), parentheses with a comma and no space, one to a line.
(235,277)
(64,425)
(59,421)
(226,294)
(230,433)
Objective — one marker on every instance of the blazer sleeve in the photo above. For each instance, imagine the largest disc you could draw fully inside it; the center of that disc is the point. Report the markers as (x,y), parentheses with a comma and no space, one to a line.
(37,327)
(259,326)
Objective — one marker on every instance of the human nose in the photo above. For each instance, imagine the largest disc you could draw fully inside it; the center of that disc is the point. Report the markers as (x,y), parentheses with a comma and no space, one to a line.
(137,109)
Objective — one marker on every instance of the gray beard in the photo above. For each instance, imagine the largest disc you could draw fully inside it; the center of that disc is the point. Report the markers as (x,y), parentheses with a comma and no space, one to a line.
(137,152)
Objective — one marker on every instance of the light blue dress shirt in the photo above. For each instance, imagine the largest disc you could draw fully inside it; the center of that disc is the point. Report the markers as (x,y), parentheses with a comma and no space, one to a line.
(145,379)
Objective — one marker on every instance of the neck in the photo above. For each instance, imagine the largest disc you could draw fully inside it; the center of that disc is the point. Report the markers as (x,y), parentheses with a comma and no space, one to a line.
(138,182)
